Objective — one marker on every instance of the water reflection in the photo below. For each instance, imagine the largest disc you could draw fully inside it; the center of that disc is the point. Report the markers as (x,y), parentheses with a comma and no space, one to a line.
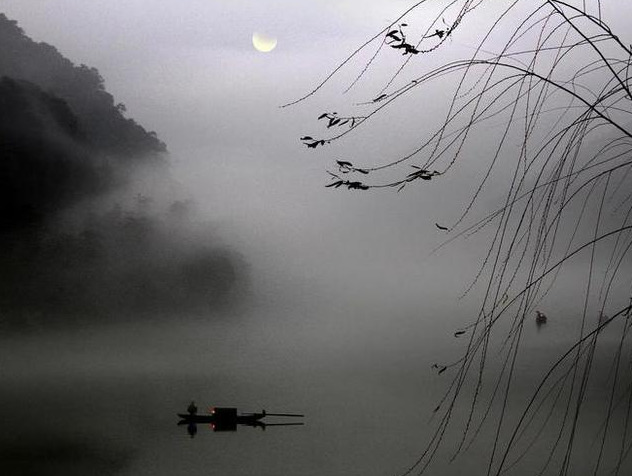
(228,419)
(54,456)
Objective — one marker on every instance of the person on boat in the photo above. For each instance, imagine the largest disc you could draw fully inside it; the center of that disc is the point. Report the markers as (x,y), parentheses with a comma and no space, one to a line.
(192,409)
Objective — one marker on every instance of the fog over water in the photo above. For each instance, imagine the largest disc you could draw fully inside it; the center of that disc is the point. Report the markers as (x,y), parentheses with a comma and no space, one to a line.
(343,306)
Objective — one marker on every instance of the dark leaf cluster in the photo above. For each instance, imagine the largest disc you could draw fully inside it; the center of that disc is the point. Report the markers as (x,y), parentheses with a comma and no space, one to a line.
(312,143)
(396,39)
(351,185)
(334,120)
(345,167)
(439,34)
(422,174)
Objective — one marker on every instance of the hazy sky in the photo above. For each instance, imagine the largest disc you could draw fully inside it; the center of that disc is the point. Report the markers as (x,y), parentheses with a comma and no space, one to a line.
(189,71)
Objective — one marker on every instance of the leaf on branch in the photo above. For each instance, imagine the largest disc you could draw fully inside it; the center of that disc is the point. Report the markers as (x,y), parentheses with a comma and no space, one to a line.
(346,167)
(438,33)
(334,120)
(422,174)
(397,39)
(418,174)
(347,183)
(335,184)
(410,49)
(312,143)
(393,35)
(356,186)
(442,368)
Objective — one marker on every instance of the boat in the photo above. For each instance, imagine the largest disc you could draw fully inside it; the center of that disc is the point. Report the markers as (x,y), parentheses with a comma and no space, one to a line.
(227,419)
(540,318)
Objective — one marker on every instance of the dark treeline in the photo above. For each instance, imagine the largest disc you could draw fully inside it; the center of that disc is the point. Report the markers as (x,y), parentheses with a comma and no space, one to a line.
(64,142)
(45,162)
(82,87)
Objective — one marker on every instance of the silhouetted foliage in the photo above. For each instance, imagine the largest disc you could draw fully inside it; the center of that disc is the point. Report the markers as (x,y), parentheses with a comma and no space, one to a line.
(396,39)
(45,164)
(119,265)
(548,90)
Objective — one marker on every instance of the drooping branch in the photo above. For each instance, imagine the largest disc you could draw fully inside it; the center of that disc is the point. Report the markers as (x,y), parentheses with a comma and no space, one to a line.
(557,91)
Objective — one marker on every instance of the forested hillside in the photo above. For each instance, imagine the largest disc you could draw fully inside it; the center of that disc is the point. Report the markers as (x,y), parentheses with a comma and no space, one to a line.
(64,141)
(103,121)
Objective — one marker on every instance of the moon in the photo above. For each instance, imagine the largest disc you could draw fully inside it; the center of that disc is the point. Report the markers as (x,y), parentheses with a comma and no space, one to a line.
(263,42)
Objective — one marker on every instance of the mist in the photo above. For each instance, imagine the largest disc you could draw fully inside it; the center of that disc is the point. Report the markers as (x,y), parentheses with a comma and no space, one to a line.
(83,236)
(178,243)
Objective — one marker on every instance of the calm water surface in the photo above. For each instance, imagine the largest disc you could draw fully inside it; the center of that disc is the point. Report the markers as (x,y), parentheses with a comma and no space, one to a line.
(104,400)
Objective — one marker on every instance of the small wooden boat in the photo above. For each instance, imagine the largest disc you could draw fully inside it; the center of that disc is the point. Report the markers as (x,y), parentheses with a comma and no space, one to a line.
(227,419)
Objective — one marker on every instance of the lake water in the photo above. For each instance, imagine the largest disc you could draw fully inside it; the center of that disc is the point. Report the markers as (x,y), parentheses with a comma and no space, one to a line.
(103,400)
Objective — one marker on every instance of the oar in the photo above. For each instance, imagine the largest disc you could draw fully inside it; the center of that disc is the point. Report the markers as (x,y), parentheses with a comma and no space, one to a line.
(285,414)
(283,424)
